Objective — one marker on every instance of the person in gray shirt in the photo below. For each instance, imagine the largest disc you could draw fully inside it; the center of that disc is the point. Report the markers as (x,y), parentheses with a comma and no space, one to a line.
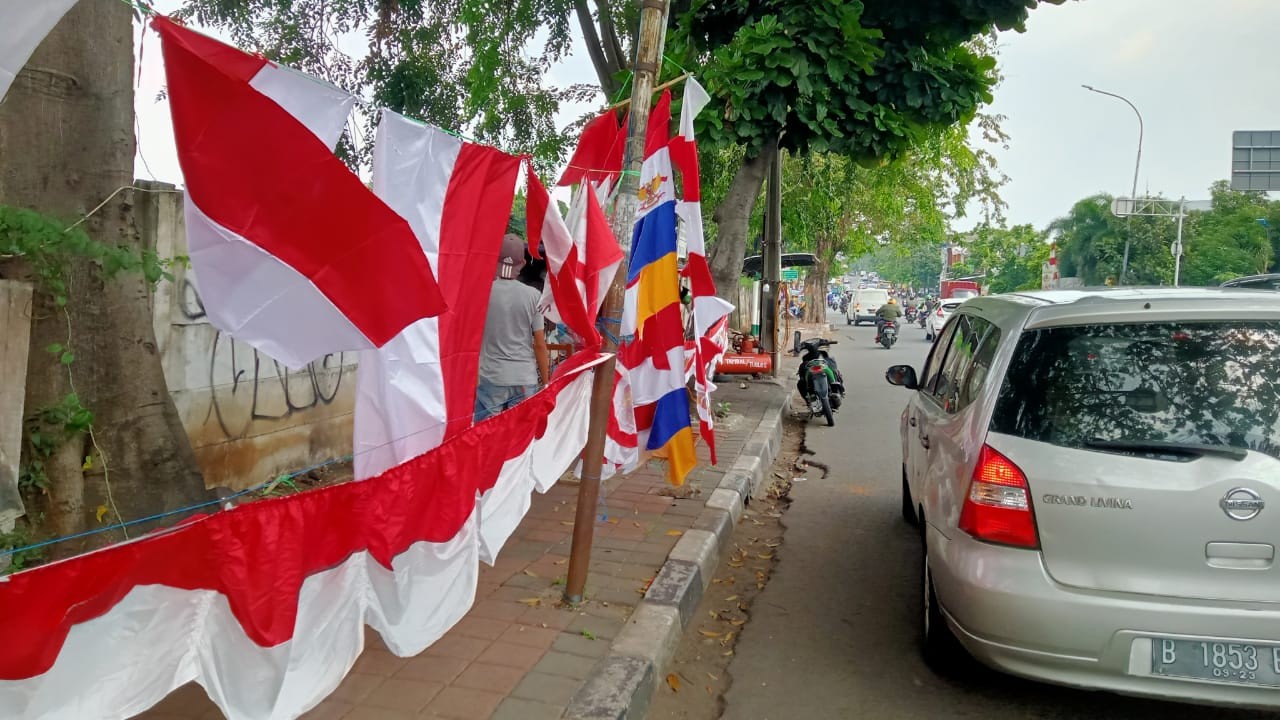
(513,357)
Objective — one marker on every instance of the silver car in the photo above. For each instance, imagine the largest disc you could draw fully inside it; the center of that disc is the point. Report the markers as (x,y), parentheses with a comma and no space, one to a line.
(1096,478)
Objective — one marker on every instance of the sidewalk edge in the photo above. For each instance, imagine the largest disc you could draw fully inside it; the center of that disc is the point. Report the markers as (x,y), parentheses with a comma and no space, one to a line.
(622,683)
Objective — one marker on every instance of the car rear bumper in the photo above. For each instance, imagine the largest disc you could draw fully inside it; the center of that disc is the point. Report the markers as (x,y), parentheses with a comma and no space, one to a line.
(1009,614)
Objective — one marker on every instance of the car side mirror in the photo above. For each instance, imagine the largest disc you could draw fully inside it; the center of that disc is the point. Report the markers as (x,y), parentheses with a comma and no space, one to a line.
(902,376)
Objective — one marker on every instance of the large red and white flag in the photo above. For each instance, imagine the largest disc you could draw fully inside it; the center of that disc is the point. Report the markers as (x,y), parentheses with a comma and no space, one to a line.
(419,389)
(292,253)
(23,25)
(598,157)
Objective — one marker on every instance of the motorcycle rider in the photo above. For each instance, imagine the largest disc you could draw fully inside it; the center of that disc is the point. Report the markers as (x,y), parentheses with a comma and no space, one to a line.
(890,311)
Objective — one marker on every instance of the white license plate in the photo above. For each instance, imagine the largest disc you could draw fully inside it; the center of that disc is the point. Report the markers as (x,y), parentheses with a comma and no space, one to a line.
(1220,661)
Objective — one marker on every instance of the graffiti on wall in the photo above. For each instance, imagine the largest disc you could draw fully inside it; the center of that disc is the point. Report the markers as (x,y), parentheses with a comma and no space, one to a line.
(246,386)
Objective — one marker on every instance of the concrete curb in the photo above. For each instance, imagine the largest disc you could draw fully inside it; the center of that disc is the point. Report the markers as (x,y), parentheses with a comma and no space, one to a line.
(622,683)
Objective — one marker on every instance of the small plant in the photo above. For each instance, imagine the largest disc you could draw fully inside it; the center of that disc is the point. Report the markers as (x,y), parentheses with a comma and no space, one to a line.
(587,634)
(47,429)
(19,537)
(723,409)
(557,582)
(279,486)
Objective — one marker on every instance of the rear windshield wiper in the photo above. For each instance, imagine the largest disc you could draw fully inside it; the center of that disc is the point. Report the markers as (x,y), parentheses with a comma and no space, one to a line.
(1192,448)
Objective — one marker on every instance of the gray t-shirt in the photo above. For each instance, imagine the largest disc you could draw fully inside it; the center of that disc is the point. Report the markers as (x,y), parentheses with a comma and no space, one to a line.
(506,356)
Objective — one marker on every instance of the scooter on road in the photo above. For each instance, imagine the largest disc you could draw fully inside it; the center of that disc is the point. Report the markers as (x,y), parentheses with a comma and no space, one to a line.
(820,383)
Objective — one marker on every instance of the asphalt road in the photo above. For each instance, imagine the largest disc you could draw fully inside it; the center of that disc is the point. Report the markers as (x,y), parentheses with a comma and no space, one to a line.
(835,633)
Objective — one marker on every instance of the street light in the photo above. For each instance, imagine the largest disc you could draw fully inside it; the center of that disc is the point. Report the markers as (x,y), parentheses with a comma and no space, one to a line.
(1124,267)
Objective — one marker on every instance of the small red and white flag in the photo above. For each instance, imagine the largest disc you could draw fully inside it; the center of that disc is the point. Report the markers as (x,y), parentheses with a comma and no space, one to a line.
(598,157)
(292,253)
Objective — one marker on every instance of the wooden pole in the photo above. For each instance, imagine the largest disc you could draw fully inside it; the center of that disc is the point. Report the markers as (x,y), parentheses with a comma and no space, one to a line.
(657,88)
(653,22)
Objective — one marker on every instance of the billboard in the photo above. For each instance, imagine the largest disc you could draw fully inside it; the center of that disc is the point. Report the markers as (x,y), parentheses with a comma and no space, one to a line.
(1255,160)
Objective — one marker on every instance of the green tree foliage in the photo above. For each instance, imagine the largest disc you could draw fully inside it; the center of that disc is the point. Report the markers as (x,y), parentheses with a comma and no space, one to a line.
(1229,241)
(1009,259)
(473,66)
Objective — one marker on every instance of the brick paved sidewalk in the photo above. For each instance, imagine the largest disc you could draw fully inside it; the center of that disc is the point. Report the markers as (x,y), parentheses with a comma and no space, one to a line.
(518,654)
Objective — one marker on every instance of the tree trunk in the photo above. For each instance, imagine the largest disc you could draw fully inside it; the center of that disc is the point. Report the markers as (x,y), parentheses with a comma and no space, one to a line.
(815,283)
(596,49)
(66,136)
(732,216)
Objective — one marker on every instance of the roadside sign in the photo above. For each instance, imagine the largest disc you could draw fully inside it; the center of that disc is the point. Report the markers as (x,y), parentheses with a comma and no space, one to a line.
(1176,248)
(790,274)
(1255,160)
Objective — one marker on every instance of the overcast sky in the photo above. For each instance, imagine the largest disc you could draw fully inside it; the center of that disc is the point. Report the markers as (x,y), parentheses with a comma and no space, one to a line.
(1196,69)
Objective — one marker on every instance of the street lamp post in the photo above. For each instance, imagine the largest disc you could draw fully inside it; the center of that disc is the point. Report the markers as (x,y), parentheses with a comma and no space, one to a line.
(1124,267)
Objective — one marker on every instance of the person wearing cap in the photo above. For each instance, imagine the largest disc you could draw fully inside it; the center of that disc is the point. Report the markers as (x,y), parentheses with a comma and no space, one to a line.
(513,356)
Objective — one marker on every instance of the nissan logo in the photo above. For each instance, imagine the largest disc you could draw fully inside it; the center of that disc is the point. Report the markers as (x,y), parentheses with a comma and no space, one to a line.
(1241,504)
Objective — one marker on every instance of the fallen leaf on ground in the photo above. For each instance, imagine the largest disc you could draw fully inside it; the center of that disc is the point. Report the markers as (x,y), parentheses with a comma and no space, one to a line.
(713,677)
(757,522)
(727,639)
(773,543)
(709,690)
(731,598)
(710,633)
(765,556)
(675,533)
(567,522)
(674,681)
(737,623)
(561,562)
(531,601)
(726,653)
(530,573)
(614,521)
(713,614)
(735,564)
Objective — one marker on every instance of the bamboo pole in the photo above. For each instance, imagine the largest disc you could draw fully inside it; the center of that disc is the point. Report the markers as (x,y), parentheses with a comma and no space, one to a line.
(673,81)
(653,22)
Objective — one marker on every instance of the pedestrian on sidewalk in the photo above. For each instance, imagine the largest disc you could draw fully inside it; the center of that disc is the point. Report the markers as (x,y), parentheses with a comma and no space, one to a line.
(513,357)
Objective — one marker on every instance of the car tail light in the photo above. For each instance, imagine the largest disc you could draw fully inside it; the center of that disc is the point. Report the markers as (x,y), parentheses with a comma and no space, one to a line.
(998,506)
(940,313)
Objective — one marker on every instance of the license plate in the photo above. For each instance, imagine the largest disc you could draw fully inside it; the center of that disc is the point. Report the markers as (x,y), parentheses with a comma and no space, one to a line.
(1229,662)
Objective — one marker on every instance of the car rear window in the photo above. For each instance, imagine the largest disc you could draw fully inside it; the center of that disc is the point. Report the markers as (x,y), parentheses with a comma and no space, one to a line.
(1215,383)
(873,297)
(951,306)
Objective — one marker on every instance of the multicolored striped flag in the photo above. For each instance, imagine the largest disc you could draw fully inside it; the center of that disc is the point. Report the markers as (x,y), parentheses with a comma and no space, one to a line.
(710,313)
(653,360)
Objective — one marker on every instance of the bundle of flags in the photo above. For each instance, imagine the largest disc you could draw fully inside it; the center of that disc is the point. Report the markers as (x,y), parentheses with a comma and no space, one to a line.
(265,604)
(651,404)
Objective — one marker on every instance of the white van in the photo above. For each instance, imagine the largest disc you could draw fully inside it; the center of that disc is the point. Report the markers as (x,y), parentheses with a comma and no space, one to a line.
(865,304)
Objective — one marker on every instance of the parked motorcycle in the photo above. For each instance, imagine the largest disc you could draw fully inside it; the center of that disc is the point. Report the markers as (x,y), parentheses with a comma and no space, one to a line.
(820,383)
(889,334)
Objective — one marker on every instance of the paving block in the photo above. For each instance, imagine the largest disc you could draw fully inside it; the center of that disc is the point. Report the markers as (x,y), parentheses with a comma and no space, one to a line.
(521,709)
(720,524)
(550,689)
(679,585)
(738,482)
(701,548)
(619,688)
(566,665)
(652,632)
(728,501)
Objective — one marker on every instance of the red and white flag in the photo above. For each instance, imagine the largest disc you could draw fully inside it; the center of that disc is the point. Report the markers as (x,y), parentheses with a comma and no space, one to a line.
(582,257)
(25,24)
(598,157)
(292,253)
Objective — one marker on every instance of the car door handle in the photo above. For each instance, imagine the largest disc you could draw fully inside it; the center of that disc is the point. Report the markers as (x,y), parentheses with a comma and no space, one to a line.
(912,421)
(924,441)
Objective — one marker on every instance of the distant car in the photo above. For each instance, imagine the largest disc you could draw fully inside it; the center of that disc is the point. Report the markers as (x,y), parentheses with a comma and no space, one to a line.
(1092,473)
(938,318)
(1255,282)
(866,301)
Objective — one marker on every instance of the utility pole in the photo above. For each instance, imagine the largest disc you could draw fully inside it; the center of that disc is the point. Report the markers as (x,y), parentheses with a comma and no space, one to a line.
(653,24)
(771,257)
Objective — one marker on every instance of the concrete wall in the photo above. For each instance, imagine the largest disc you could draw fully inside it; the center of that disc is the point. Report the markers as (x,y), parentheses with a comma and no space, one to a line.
(249,417)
